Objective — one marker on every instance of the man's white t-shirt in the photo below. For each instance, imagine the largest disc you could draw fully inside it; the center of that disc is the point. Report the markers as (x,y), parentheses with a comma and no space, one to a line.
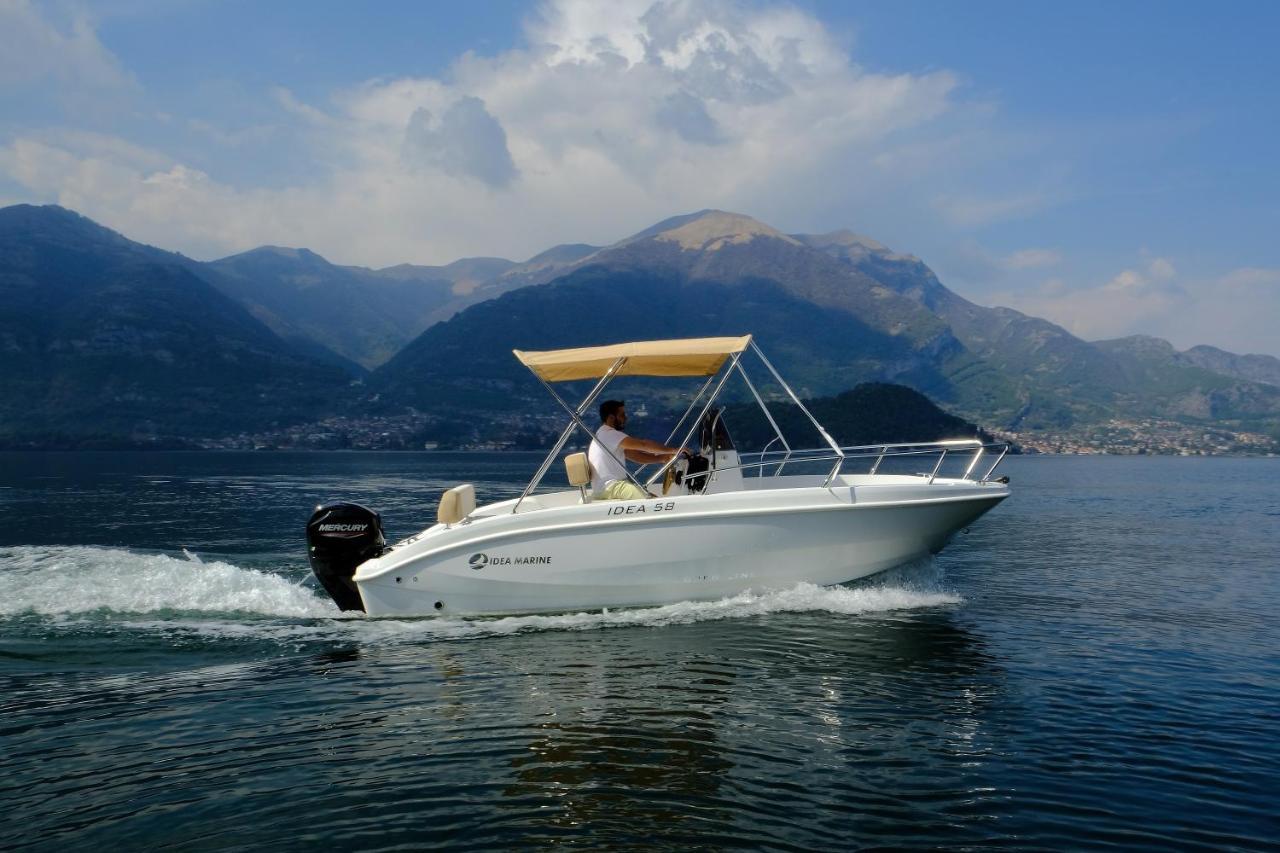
(603,466)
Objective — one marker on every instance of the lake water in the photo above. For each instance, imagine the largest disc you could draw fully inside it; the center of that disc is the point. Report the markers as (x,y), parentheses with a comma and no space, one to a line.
(1095,664)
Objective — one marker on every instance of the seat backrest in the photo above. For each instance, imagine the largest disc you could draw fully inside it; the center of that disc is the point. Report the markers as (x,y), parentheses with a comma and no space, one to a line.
(578,469)
(457,503)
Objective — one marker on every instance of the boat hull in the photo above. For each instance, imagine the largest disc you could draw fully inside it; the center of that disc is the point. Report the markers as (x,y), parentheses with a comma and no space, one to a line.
(663,551)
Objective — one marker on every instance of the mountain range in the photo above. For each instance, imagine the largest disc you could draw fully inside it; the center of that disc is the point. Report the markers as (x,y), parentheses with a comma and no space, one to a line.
(366,316)
(107,340)
(110,338)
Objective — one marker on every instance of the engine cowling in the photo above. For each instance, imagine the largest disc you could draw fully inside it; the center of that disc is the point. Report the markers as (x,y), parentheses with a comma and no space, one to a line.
(340,537)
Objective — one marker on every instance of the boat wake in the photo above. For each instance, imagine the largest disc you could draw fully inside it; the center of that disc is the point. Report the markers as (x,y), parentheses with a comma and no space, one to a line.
(69,580)
(184,595)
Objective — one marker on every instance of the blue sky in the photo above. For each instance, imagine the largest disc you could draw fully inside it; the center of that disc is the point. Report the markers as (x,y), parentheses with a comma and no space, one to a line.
(1106,166)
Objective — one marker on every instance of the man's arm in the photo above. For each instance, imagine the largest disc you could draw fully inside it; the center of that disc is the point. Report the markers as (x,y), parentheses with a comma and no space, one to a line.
(644,451)
(644,457)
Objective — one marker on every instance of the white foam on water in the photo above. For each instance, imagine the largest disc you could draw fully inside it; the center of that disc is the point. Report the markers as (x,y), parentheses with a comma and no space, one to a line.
(64,580)
(803,598)
(71,583)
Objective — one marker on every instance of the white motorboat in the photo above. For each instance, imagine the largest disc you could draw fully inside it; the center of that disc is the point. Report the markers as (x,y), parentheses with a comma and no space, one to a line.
(727,523)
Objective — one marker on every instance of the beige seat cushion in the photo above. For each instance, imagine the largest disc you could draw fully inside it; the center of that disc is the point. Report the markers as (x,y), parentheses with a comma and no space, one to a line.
(578,469)
(457,503)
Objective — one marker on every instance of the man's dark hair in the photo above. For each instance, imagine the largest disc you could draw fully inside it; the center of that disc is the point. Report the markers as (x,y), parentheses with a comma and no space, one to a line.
(610,407)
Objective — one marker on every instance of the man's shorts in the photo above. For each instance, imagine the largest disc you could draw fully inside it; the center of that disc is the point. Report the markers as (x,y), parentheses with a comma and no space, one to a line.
(621,490)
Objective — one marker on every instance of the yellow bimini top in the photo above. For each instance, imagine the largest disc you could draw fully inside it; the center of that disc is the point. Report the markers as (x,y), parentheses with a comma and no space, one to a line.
(682,357)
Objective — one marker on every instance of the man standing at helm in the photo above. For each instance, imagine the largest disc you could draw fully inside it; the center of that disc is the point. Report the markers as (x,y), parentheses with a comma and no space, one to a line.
(612,446)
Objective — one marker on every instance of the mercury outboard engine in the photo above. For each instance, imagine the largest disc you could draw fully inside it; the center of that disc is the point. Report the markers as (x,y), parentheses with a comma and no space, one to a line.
(339,538)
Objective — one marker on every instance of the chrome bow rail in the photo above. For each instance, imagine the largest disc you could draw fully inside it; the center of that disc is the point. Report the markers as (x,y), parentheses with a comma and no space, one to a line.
(878,453)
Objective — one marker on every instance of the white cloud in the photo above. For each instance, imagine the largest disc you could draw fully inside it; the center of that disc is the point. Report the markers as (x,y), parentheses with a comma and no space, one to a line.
(1024,259)
(973,265)
(1251,281)
(88,145)
(609,117)
(466,140)
(1161,269)
(34,50)
(239,138)
(1155,280)
(1136,300)
(973,210)
(583,31)
(1236,311)
(309,114)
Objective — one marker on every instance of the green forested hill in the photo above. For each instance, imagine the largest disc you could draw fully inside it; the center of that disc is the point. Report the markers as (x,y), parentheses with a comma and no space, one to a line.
(105,341)
(871,413)
(361,314)
(466,364)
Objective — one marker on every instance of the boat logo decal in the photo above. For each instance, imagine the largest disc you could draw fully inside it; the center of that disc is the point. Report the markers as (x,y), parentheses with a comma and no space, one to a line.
(334,530)
(479,561)
(636,509)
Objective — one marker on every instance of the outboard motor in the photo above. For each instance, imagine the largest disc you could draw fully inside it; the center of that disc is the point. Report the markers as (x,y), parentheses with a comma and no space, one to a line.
(339,538)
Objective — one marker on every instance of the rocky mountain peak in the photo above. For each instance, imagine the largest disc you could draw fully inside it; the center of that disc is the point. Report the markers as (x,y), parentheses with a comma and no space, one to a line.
(1140,345)
(558,256)
(305,256)
(53,225)
(846,237)
(851,246)
(710,230)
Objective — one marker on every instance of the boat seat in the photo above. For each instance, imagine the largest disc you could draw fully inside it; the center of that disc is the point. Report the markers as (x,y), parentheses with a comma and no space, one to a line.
(456,504)
(578,469)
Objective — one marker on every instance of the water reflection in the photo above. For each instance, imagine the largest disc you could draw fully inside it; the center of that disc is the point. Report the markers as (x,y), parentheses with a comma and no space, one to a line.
(626,737)
(654,734)
(624,745)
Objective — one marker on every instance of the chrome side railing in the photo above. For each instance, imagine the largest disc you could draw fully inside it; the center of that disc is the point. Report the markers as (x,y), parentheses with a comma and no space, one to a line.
(976,450)
(875,455)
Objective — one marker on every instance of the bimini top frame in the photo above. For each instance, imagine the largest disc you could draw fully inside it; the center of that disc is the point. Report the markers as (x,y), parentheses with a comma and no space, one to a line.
(683,357)
(717,359)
